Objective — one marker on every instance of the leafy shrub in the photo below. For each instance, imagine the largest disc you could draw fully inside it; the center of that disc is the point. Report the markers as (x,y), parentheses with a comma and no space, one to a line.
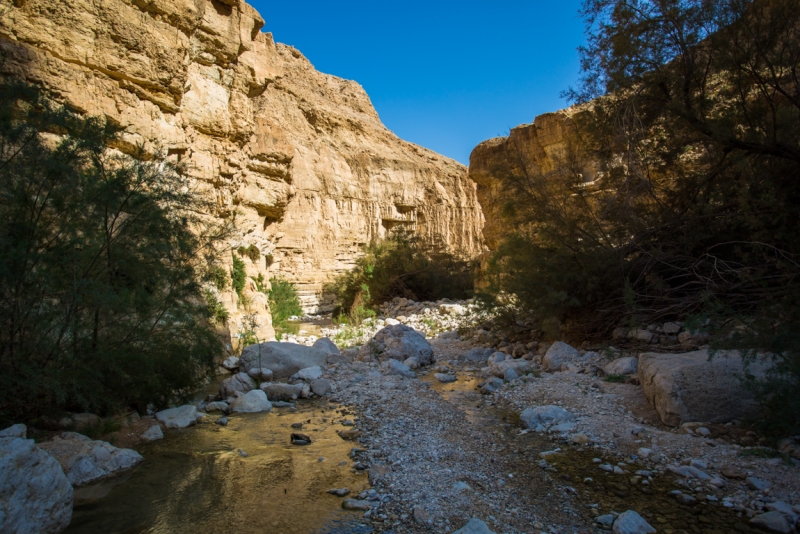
(217,276)
(238,275)
(250,251)
(217,311)
(100,299)
(283,302)
(400,267)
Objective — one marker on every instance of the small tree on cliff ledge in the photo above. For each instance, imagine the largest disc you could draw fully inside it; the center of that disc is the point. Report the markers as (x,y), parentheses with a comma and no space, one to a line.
(100,307)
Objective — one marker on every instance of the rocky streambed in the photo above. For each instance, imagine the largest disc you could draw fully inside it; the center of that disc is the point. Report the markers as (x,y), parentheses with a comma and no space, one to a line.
(447,434)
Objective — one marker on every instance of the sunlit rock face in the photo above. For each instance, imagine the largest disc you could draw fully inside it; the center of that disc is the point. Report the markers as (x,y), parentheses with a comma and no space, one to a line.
(300,157)
(544,146)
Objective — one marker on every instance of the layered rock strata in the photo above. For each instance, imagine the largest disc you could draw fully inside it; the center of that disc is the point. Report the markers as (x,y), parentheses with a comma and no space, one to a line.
(299,157)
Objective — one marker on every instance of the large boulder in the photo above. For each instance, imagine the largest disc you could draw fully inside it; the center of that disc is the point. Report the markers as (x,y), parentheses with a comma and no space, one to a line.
(544,415)
(623,366)
(85,460)
(35,494)
(398,342)
(690,387)
(179,417)
(474,526)
(632,523)
(238,383)
(283,359)
(251,402)
(557,355)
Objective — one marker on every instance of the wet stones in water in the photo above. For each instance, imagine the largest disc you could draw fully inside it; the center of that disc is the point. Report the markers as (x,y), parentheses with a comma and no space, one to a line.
(349,434)
(339,492)
(300,439)
(356,504)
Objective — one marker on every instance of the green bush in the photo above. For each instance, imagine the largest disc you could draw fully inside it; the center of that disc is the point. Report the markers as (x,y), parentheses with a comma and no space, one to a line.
(250,251)
(238,275)
(400,267)
(100,299)
(216,309)
(217,276)
(283,302)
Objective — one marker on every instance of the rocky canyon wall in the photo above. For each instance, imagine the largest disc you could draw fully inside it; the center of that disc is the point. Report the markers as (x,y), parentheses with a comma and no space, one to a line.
(299,157)
(533,149)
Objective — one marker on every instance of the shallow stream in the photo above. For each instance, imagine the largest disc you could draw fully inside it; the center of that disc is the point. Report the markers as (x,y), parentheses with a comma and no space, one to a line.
(197,480)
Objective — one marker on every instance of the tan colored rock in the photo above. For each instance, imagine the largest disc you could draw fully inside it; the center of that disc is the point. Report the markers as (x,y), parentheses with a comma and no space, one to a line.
(300,157)
(529,150)
(690,387)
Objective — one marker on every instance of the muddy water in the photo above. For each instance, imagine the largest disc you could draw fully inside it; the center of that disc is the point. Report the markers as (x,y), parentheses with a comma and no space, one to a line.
(196,480)
(595,492)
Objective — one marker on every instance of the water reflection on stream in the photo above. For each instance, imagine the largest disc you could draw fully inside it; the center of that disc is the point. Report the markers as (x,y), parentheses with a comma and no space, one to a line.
(195,480)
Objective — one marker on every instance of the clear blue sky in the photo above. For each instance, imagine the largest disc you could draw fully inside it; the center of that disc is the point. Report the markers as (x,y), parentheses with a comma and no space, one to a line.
(443,74)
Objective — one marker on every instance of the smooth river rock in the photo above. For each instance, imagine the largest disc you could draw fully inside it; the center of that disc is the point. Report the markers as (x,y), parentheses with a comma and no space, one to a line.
(251,402)
(283,359)
(86,461)
(398,342)
(179,417)
(35,494)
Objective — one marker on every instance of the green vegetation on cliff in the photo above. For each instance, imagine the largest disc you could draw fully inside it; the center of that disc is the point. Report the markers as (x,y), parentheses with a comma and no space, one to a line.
(100,302)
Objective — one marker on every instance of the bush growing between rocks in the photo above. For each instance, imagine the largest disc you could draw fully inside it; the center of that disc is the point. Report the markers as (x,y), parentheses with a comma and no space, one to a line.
(400,267)
(284,302)
(100,300)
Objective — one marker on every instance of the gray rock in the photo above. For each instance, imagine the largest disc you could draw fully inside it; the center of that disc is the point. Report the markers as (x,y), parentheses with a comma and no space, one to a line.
(283,359)
(259,375)
(784,508)
(641,335)
(240,382)
(394,367)
(179,417)
(557,355)
(474,526)
(356,504)
(688,387)
(231,363)
(310,373)
(671,328)
(219,406)
(154,433)
(773,521)
(689,471)
(15,431)
(251,402)
(35,494)
(339,492)
(757,483)
(82,421)
(623,366)
(632,523)
(510,375)
(412,363)
(86,461)
(445,378)
(277,391)
(327,346)
(606,520)
(520,366)
(496,357)
(478,354)
(492,385)
(398,342)
(544,415)
(321,386)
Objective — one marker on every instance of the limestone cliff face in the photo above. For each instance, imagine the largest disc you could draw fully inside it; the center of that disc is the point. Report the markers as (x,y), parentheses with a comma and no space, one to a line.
(529,150)
(300,157)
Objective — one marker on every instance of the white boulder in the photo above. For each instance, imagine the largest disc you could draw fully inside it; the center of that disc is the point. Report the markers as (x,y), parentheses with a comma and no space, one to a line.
(179,417)
(251,402)
(557,355)
(398,342)
(623,366)
(86,461)
(35,494)
(283,359)
(544,415)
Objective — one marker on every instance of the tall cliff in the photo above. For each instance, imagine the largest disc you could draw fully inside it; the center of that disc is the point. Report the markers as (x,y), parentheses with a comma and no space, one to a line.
(300,157)
(537,148)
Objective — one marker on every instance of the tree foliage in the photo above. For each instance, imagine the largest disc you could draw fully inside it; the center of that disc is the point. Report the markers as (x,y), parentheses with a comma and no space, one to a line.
(100,305)
(694,133)
(284,302)
(400,266)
